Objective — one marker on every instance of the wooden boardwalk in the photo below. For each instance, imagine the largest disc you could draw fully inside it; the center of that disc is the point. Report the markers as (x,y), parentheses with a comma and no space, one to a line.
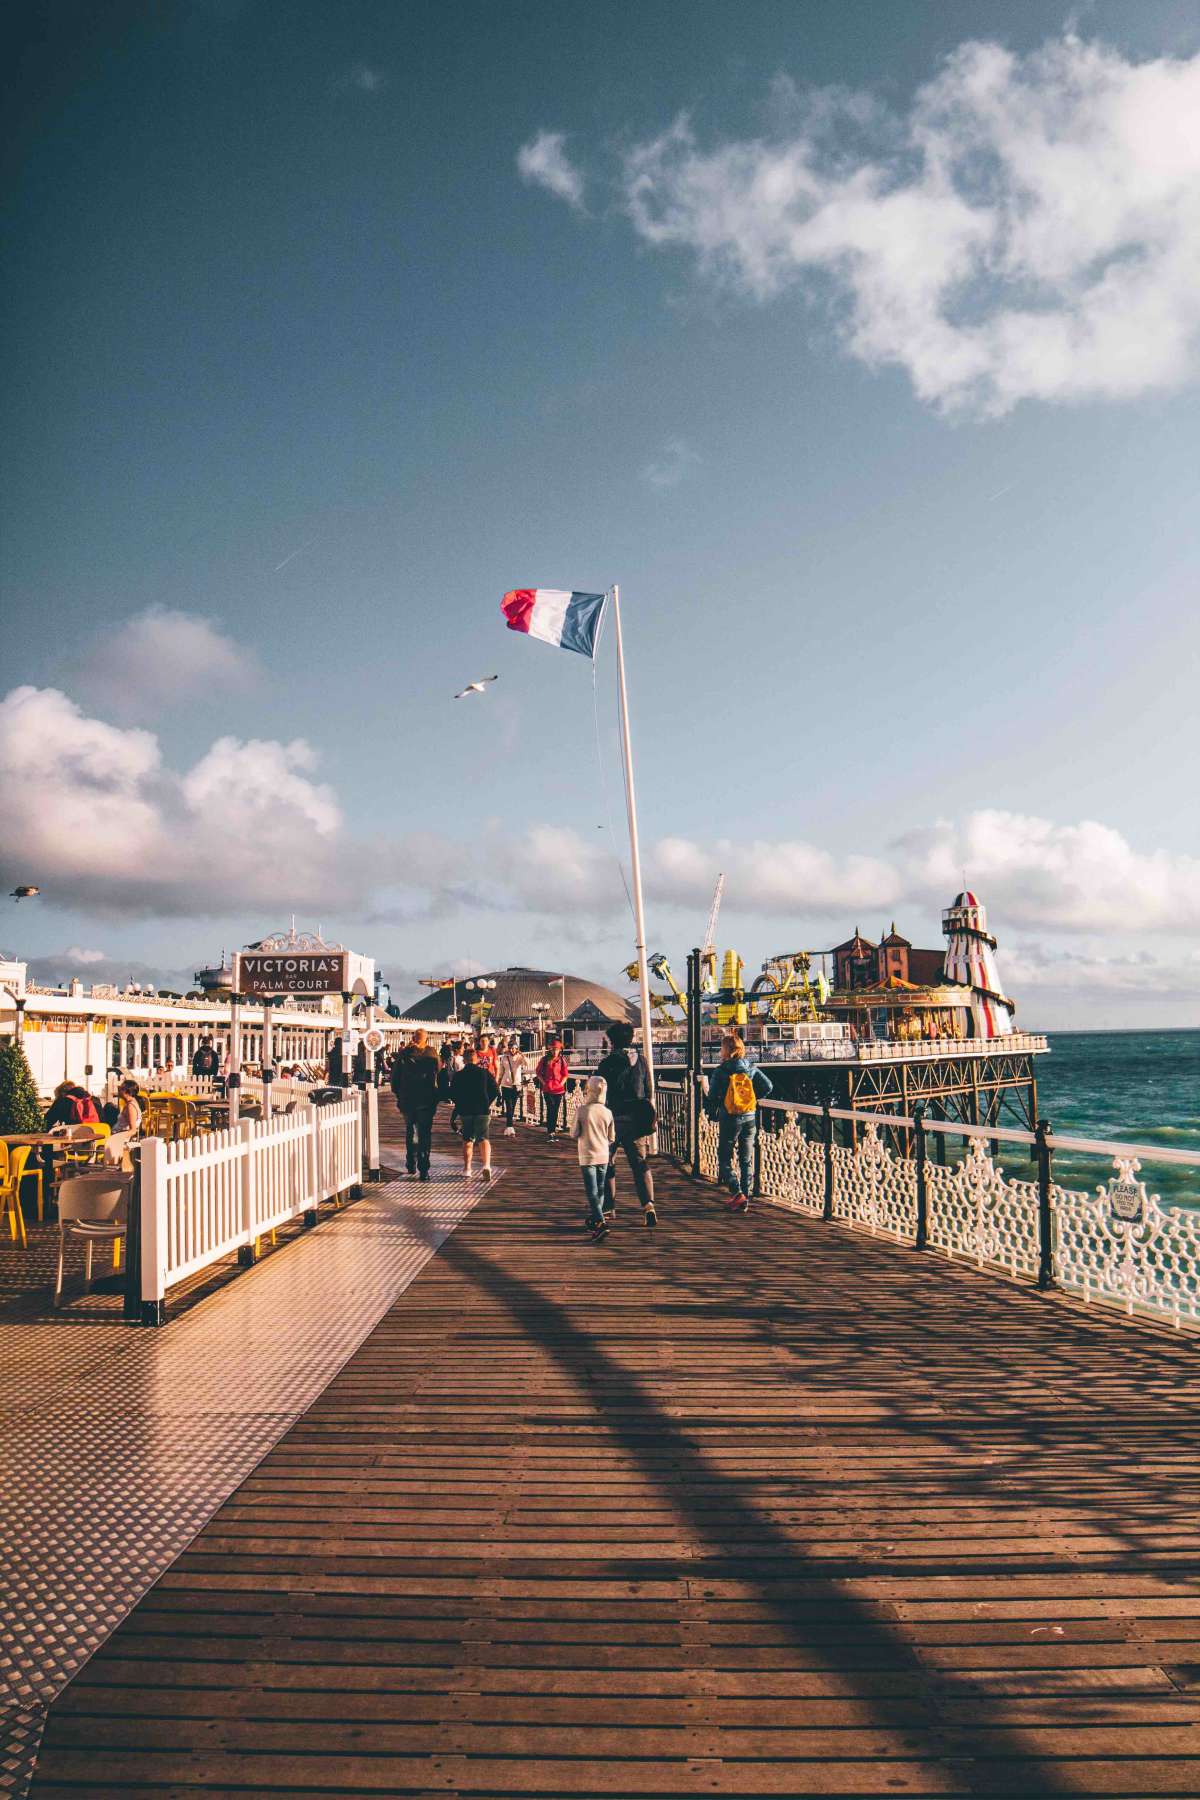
(751,1507)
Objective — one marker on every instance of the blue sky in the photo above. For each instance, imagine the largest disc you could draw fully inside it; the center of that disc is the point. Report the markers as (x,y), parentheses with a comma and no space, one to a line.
(302,372)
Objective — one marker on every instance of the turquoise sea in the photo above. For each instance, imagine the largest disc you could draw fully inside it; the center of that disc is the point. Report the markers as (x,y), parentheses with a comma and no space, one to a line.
(1139,1087)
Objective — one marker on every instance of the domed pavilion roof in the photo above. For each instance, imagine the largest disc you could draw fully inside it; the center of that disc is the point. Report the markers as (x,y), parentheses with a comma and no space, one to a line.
(515,994)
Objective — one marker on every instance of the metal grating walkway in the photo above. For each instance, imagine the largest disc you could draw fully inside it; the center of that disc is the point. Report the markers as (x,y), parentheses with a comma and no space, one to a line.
(737,1507)
(117,1445)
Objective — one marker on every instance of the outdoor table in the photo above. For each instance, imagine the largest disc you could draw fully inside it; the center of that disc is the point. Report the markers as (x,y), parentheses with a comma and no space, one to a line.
(16,1140)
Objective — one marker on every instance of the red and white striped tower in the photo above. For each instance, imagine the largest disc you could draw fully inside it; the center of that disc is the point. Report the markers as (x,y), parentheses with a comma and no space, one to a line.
(971,960)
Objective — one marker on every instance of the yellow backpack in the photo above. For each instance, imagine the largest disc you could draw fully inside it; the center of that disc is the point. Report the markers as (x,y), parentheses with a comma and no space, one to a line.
(740,1097)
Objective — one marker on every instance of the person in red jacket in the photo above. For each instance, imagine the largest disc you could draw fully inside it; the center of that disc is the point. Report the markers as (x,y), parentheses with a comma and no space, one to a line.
(551,1076)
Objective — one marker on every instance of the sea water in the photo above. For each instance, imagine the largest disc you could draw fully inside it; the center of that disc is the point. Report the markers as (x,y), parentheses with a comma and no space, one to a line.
(1140,1087)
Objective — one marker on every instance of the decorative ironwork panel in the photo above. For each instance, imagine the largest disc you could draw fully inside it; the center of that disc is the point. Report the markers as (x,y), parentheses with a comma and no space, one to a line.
(791,1169)
(874,1189)
(1123,1247)
(708,1147)
(977,1212)
(672,1105)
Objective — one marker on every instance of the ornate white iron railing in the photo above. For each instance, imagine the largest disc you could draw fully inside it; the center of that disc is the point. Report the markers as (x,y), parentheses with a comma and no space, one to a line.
(1119,1245)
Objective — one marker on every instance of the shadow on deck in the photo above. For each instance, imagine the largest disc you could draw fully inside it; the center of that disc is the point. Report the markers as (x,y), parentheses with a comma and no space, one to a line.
(740,1506)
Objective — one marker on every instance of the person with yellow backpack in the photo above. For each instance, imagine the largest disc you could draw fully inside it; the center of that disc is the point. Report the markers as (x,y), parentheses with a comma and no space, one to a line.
(732,1102)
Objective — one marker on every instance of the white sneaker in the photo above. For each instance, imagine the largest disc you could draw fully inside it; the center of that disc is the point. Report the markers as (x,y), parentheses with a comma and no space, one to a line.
(510,1131)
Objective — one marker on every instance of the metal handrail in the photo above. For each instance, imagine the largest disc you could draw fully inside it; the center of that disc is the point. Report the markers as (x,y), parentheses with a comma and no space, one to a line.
(1004,1133)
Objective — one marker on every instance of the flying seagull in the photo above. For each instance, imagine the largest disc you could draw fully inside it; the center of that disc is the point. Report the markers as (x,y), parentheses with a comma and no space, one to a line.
(24,893)
(476,687)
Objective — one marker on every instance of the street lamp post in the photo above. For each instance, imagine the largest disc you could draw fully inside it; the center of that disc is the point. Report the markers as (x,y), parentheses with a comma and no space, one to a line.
(18,1002)
(482,986)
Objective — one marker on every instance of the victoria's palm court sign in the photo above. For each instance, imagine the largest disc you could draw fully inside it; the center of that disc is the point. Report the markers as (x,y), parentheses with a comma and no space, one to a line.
(266,972)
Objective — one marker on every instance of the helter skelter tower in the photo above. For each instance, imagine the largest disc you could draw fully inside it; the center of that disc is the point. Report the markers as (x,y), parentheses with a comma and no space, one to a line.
(971,960)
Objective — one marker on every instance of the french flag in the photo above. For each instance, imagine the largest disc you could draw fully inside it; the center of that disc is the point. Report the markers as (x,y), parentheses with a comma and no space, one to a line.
(569,621)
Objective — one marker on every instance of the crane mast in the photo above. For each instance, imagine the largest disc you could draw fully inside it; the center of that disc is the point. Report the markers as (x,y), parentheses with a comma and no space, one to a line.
(708,955)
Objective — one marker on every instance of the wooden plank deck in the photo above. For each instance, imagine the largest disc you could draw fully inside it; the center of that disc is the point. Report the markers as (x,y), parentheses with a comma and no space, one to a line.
(741,1506)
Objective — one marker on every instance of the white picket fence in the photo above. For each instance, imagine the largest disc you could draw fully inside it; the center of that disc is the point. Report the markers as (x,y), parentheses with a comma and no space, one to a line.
(207,1196)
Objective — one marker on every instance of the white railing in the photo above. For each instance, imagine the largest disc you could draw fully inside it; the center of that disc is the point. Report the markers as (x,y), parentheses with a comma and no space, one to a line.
(204,1197)
(801,1050)
(898,1051)
(1119,1245)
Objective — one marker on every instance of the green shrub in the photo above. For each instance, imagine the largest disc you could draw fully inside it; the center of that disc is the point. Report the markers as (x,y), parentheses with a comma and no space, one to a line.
(19,1107)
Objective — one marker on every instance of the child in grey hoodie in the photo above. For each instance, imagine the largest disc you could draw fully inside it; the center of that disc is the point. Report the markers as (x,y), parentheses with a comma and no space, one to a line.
(594,1133)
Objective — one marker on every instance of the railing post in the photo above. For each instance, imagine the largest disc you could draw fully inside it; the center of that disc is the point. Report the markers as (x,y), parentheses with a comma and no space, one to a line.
(827,1141)
(248,1252)
(1045,1177)
(694,1068)
(921,1239)
(356,1187)
(313,1165)
(152,1223)
(132,1308)
(371,1169)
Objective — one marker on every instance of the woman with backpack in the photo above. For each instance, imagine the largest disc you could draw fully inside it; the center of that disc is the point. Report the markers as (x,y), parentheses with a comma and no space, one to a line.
(732,1102)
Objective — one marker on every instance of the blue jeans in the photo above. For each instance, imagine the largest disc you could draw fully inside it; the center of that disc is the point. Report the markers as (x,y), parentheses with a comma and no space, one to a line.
(593,1186)
(735,1138)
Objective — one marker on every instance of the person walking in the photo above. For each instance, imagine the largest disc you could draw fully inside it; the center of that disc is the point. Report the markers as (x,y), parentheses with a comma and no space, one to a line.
(474,1092)
(629,1098)
(446,1074)
(511,1076)
(415,1085)
(206,1062)
(732,1102)
(488,1057)
(551,1076)
(595,1133)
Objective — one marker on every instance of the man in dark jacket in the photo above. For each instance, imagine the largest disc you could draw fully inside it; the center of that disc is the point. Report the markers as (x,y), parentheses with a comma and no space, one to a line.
(732,1103)
(473,1092)
(206,1061)
(632,1106)
(415,1085)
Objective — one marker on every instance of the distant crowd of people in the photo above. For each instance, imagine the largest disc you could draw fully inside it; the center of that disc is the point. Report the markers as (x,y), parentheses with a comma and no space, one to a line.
(483,1078)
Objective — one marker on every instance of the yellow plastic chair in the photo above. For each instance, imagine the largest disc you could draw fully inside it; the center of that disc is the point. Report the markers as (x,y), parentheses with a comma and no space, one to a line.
(183,1122)
(25,1167)
(10,1194)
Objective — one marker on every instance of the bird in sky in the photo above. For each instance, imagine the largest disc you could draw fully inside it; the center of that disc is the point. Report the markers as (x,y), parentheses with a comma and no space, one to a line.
(24,893)
(476,687)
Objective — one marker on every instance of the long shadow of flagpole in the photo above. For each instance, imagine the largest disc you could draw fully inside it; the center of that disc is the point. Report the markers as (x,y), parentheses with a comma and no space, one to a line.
(651,1438)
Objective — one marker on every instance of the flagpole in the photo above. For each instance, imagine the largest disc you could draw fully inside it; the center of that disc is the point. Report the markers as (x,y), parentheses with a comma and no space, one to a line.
(635,858)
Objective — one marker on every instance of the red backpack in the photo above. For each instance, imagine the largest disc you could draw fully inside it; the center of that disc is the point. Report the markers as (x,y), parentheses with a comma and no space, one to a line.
(83,1110)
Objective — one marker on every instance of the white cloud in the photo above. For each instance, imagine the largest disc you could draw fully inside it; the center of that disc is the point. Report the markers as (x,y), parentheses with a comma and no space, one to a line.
(1084,877)
(89,812)
(91,808)
(670,466)
(544,162)
(1029,230)
(361,78)
(1091,973)
(162,656)
(58,967)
